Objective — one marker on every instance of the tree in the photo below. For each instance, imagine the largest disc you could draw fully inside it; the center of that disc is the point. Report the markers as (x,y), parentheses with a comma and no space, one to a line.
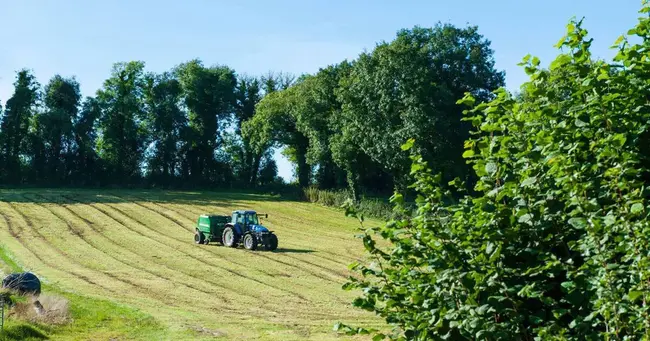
(87,168)
(248,94)
(14,128)
(55,126)
(554,244)
(274,125)
(165,123)
(209,97)
(121,142)
(408,89)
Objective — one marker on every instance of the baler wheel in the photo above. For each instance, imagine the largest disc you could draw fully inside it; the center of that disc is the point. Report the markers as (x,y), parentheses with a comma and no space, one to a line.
(199,238)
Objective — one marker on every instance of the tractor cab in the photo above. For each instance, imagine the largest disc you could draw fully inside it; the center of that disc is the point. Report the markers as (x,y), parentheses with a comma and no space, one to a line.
(247,220)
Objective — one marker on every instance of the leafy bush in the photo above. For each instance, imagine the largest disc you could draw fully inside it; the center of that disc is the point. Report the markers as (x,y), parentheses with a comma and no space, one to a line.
(369,206)
(556,245)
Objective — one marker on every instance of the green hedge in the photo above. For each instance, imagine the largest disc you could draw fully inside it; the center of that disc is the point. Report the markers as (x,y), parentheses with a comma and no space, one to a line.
(372,207)
(556,244)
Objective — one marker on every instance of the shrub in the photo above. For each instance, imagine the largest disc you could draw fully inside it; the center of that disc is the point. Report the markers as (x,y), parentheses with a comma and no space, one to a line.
(373,207)
(556,245)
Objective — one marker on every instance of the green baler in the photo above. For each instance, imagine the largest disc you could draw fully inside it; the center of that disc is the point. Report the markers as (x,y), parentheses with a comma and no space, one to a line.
(209,228)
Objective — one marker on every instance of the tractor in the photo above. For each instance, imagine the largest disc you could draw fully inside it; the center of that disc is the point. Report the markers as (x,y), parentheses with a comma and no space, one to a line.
(241,227)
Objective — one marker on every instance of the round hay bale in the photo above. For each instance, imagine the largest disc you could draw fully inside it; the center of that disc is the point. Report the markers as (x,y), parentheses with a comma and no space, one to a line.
(23,283)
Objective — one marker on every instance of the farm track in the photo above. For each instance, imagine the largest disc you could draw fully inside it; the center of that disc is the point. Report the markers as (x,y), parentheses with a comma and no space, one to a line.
(125,247)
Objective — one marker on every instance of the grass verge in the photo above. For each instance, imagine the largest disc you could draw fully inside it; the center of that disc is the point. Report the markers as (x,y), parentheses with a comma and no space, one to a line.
(89,318)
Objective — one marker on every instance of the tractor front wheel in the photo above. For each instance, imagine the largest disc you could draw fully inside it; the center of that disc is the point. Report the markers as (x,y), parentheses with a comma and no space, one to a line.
(199,238)
(250,242)
(229,238)
(273,242)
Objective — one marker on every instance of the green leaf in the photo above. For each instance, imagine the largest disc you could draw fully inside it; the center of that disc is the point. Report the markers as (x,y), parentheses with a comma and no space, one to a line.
(560,62)
(637,208)
(378,337)
(529,181)
(468,153)
(634,295)
(579,123)
(408,145)
(535,61)
(620,139)
(491,168)
(619,40)
(578,223)
(526,219)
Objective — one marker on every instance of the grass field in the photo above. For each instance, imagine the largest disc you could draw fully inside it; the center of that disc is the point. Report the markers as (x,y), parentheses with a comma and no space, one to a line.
(135,249)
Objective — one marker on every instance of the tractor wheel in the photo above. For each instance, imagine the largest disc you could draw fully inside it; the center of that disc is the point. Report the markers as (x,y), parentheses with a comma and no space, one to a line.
(250,242)
(199,238)
(229,237)
(273,242)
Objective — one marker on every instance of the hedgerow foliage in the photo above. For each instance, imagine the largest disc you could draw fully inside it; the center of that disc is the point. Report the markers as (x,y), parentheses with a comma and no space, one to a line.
(556,244)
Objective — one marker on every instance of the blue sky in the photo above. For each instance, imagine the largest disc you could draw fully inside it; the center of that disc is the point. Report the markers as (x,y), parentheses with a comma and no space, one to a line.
(84,38)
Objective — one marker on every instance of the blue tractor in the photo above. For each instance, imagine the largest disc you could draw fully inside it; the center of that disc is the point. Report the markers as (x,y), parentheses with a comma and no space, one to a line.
(245,227)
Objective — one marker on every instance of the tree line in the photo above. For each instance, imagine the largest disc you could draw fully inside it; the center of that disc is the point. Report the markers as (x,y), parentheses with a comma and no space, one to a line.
(195,125)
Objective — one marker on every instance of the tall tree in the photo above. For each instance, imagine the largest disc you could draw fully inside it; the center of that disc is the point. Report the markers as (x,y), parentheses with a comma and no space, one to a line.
(408,88)
(55,125)
(20,108)
(121,141)
(209,98)
(248,94)
(165,123)
(87,168)
(274,125)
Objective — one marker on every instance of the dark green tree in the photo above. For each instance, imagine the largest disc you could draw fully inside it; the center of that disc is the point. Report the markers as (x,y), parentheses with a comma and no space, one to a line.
(165,124)
(408,88)
(87,168)
(55,127)
(122,136)
(209,95)
(274,125)
(14,127)
(247,160)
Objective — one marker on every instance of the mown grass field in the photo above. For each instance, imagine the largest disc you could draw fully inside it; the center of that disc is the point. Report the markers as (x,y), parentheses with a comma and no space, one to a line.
(135,249)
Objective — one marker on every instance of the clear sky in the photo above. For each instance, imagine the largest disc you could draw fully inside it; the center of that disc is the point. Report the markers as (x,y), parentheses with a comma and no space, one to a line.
(83,38)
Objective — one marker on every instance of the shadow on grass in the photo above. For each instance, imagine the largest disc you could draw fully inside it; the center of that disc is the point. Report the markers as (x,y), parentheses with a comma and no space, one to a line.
(283,250)
(278,250)
(89,196)
(21,332)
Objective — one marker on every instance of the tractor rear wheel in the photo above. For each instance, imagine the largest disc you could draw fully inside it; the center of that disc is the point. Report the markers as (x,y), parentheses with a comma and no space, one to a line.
(273,242)
(199,238)
(229,237)
(250,241)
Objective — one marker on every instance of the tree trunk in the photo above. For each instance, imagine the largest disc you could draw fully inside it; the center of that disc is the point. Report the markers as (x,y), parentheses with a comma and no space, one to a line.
(255,169)
(304,170)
